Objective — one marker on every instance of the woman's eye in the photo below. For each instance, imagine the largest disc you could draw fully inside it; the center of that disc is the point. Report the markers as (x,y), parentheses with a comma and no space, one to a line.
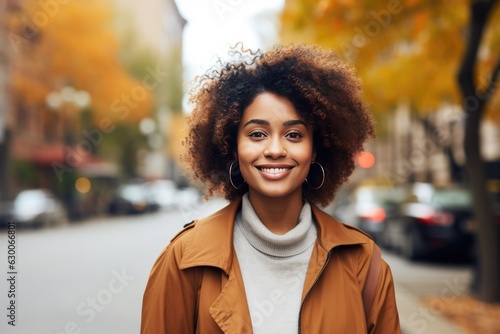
(257,134)
(294,135)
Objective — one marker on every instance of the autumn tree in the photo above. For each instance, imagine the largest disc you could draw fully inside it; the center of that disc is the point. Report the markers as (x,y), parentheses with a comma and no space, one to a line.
(59,43)
(75,43)
(410,52)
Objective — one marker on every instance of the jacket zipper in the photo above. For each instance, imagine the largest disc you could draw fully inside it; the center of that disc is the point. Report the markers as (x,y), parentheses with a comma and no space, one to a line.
(317,278)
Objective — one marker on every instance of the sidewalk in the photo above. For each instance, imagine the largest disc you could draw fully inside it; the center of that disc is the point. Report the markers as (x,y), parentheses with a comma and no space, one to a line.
(416,318)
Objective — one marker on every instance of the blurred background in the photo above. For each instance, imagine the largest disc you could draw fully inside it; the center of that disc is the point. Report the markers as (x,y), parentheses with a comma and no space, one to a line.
(92,107)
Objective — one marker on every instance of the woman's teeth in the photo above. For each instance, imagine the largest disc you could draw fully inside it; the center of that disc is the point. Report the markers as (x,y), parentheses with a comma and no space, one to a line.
(274,170)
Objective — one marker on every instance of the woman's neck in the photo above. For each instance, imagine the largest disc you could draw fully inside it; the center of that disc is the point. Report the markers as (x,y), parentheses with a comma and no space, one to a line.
(279,215)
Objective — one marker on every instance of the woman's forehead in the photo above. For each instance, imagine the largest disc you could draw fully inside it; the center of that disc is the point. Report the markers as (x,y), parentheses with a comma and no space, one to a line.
(270,107)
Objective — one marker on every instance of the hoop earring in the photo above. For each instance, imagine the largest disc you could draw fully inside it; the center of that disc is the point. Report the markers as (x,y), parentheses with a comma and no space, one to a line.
(231,177)
(323,176)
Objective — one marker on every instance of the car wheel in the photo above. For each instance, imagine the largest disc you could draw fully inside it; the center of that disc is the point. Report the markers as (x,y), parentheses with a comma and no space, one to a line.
(61,220)
(385,238)
(411,246)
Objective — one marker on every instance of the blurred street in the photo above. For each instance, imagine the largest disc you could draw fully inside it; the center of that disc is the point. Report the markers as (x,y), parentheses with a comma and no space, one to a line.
(441,283)
(90,275)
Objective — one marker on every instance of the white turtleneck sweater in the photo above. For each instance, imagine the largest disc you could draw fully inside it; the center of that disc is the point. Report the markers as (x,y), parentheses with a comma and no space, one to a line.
(273,268)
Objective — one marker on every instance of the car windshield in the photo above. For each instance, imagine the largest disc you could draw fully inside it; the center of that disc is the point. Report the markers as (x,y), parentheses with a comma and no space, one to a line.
(132,192)
(452,198)
(378,195)
(29,200)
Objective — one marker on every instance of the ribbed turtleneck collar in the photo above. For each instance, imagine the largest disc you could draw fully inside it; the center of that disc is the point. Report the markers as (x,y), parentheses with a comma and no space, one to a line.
(294,242)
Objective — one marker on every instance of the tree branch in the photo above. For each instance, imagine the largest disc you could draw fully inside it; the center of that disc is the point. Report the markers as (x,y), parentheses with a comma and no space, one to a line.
(494,76)
(479,12)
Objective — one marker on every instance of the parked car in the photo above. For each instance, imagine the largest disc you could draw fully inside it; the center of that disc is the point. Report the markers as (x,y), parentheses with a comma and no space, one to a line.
(366,206)
(38,207)
(5,213)
(164,193)
(431,219)
(132,198)
(188,197)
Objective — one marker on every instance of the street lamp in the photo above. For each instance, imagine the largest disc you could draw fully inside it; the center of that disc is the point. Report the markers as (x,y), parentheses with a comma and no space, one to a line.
(68,101)
(68,94)
(68,98)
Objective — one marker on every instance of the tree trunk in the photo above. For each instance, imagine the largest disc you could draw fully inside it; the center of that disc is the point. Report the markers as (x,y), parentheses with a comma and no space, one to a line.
(474,106)
(5,166)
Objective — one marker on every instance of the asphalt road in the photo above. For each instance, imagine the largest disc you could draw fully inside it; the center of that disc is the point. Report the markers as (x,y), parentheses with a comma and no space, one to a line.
(89,277)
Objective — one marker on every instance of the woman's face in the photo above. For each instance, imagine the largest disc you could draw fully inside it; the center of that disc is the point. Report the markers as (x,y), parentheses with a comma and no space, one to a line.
(274,147)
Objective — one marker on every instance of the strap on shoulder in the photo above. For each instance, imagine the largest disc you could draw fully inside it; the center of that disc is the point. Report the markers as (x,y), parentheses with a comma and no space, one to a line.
(185,228)
(371,280)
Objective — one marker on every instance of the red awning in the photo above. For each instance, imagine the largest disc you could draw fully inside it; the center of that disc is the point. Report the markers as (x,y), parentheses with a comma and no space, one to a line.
(56,153)
(47,155)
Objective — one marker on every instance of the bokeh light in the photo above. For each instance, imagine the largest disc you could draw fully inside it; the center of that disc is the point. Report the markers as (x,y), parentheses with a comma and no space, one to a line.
(83,185)
(366,159)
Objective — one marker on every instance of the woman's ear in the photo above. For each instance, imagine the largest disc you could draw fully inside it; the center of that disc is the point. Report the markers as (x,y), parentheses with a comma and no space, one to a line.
(314,156)
(235,155)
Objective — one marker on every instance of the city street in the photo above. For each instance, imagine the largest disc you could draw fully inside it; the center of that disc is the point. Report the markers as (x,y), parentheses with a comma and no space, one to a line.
(89,277)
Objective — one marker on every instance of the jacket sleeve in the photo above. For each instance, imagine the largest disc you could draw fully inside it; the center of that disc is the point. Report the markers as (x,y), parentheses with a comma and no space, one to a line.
(170,298)
(383,317)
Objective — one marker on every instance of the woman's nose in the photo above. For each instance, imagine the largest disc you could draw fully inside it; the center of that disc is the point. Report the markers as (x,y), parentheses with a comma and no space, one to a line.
(275,149)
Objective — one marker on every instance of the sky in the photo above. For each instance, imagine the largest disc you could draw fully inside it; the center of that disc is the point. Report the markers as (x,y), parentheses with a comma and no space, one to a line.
(213,25)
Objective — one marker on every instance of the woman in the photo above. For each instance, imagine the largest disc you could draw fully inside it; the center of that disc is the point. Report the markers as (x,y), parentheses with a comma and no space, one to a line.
(276,135)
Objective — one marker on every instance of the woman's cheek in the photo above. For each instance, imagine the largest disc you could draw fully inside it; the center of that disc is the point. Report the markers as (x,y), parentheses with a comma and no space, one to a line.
(248,150)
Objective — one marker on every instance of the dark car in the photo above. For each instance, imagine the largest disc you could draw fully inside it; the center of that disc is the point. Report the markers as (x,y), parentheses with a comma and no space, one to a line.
(132,198)
(429,220)
(5,213)
(366,207)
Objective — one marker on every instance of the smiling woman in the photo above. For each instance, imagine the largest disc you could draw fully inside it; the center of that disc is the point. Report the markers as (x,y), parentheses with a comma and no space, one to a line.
(274,152)
(323,91)
(276,133)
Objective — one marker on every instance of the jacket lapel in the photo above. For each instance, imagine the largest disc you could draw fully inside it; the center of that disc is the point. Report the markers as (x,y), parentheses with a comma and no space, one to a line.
(230,309)
(211,245)
(331,234)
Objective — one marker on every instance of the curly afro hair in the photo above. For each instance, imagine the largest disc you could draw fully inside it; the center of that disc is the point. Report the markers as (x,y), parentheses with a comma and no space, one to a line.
(323,89)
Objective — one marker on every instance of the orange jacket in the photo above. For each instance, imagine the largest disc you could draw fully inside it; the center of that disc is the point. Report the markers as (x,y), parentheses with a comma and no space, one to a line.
(196,286)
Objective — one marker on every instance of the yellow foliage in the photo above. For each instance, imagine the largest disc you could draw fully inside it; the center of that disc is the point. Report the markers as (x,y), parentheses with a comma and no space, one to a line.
(177,132)
(73,43)
(403,50)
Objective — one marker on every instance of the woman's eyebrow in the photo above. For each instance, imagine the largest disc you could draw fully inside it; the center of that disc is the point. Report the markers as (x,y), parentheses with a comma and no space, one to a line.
(286,123)
(256,121)
(294,122)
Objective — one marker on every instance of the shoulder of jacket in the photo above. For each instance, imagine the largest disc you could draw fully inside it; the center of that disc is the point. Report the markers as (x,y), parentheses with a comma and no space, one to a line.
(187,227)
(357,230)
(349,229)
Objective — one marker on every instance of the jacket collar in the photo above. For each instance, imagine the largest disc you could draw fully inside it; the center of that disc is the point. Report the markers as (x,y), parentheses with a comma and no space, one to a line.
(211,241)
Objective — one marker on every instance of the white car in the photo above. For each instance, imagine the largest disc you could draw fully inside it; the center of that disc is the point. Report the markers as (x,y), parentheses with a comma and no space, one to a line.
(164,193)
(38,207)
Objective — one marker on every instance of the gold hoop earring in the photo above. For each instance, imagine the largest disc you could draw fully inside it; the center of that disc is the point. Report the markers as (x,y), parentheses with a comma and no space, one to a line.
(322,172)
(231,177)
